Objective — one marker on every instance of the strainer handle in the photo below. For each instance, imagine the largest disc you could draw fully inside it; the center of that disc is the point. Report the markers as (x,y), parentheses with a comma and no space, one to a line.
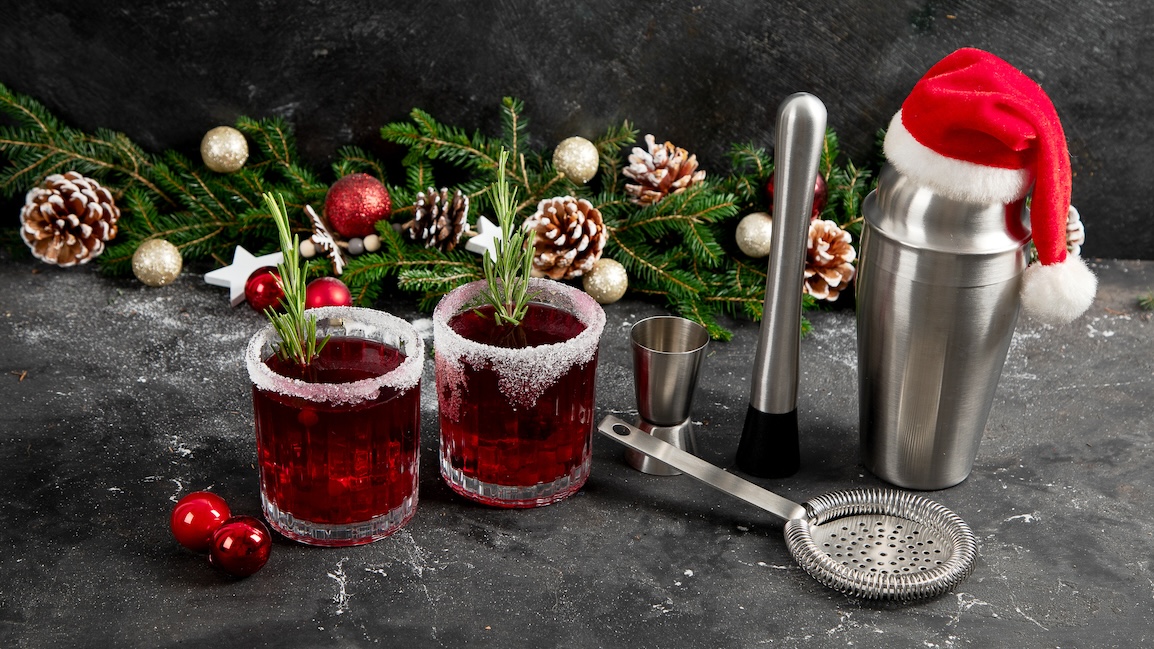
(695,467)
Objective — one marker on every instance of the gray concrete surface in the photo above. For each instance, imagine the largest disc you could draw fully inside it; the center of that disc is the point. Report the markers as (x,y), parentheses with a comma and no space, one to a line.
(117,399)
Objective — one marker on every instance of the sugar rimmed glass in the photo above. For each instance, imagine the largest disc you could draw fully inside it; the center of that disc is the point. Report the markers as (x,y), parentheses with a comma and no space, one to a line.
(338,445)
(517,423)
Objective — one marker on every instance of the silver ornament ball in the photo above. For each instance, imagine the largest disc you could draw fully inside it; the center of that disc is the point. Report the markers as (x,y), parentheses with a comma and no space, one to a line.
(224,149)
(606,282)
(577,158)
(754,233)
(156,262)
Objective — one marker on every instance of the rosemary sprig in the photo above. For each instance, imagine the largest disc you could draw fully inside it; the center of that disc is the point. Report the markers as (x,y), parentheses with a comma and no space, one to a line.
(297,331)
(507,276)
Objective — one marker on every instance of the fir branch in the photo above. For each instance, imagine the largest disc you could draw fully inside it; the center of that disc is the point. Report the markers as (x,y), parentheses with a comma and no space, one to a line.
(698,312)
(416,268)
(435,281)
(679,249)
(830,151)
(352,159)
(847,188)
(750,168)
(516,131)
(427,137)
(609,147)
(40,146)
(651,267)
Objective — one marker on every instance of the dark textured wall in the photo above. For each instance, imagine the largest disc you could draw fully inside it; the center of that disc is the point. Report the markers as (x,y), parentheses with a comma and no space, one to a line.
(703,75)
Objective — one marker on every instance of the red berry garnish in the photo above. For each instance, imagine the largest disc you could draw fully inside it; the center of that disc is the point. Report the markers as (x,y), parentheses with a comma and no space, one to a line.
(240,546)
(196,517)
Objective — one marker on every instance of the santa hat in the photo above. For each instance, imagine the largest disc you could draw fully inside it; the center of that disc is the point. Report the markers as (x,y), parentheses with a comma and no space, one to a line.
(976,129)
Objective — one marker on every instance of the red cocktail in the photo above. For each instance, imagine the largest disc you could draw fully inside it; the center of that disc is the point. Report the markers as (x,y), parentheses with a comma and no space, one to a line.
(517,407)
(338,442)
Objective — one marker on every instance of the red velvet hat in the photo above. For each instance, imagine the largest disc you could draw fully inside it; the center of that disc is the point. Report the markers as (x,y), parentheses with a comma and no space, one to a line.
(976,129)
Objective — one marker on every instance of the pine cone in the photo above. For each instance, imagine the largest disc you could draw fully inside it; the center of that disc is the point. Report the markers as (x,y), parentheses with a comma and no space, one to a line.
(829,260)
(661,171)
(570,237)
(1075,232)
(439,221)
(66,220)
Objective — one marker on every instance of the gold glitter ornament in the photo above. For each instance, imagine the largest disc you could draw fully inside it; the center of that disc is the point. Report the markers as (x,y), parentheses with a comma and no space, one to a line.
(577,158)
(606,282)
(754,233)
(156,262)
(224,149)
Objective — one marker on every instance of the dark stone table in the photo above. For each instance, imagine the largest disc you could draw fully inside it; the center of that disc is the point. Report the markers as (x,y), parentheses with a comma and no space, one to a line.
(118,399)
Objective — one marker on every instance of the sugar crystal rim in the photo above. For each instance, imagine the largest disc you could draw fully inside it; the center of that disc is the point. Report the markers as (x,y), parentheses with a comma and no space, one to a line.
(583,306)
(367,321)
(523,374)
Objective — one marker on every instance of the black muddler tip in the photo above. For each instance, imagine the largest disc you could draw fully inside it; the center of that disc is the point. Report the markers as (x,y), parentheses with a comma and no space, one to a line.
(769,444)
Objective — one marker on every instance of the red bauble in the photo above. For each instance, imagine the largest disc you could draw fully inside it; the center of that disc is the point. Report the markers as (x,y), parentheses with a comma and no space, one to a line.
(820,195)
(327,291)
(263,289)
(355,203)
(196,517)
(241,546)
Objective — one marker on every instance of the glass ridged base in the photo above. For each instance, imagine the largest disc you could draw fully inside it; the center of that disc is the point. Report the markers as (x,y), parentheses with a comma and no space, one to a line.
(515,497)
(342,535)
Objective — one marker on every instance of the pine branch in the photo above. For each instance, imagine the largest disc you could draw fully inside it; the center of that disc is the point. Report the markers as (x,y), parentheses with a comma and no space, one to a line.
(40,146)
(830,151)
(353,160)
(416,268)
(427,137)
(609,148)
(678,250)
(515,132)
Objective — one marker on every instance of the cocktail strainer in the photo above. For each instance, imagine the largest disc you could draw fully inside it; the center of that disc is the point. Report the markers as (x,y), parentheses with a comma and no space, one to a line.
(868,543)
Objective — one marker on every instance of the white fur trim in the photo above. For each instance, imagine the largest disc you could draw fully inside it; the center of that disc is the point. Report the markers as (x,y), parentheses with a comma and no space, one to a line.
(1058,293)
(956,179)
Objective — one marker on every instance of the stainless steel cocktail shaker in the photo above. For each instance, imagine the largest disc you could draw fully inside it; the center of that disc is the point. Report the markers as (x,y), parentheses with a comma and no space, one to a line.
(937,301)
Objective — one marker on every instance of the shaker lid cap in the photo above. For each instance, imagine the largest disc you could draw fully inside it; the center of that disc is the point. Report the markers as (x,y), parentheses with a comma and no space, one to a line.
(977,129)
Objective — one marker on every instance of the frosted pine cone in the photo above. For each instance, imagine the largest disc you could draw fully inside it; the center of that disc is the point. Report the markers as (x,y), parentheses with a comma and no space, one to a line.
(660,171)
(1075,232)
(829,260)
(67,219)
(439,220)
(570,237)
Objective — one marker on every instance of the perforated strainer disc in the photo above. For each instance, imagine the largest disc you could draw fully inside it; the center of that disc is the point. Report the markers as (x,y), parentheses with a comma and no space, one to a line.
(882,544)
(869,543)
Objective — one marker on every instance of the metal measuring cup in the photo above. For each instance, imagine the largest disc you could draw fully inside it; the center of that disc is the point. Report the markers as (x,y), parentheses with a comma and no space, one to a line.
(667,355)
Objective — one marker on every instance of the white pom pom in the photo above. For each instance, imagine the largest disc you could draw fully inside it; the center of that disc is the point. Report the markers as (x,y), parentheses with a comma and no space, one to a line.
(1058,293)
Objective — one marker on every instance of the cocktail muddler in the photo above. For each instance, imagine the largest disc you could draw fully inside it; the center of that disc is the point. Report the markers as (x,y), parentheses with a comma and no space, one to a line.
(667,355)
(769,440)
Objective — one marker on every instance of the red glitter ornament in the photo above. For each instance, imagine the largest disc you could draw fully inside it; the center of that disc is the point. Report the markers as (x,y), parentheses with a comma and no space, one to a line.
(820,195)
(355,203)
(196,517)
(241,546)
(263,289)
(327,291)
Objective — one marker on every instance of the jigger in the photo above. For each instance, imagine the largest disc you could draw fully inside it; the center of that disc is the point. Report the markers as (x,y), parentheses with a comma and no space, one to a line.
(667,354)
